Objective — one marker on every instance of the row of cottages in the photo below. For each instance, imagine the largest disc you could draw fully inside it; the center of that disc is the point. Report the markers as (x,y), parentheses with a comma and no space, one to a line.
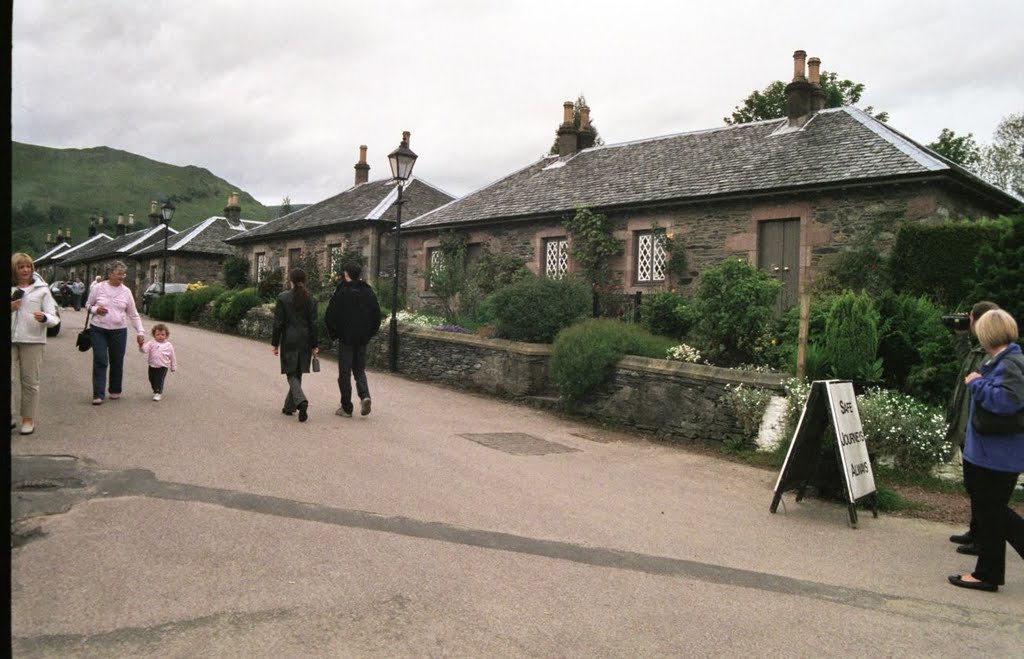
(193,254)
(358,221)
(783,194)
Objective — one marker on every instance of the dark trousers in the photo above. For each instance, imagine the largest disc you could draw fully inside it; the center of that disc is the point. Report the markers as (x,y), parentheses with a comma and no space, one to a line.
(156,378)
(970,475)
(997,523)
(352,363)
(108,348)
(295,395)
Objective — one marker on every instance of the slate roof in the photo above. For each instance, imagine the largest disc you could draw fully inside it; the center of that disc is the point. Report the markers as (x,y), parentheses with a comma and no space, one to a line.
(206,237)
(49,254)
(837,146)
(119,247)
(370,201)
(88,244)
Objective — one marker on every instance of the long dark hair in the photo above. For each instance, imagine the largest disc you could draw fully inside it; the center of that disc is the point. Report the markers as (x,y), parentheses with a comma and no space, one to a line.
(298,279)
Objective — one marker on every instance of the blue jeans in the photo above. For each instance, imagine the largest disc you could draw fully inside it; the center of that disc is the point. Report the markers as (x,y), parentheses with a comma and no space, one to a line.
(108,348)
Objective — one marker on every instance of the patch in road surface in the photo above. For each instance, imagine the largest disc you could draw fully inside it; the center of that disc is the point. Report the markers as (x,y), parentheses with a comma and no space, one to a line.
(517,443)
(100,483)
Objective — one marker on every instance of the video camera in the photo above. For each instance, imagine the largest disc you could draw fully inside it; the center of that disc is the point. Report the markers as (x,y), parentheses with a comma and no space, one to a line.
(958,322)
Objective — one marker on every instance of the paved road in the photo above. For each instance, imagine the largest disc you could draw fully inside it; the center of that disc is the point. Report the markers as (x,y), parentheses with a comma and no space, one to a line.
(443,524)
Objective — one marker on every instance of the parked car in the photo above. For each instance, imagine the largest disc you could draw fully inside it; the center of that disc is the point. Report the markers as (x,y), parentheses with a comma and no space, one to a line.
(61,291)
(154,291)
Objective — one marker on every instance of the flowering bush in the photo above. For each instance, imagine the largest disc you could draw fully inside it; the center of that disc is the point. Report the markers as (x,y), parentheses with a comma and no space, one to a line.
(796,398)
(748,405)
(683,353)
(898,426)
(414,318)
(195,286)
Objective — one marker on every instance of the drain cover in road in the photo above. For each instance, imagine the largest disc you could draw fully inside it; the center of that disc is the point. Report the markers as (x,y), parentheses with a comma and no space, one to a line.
(517,443)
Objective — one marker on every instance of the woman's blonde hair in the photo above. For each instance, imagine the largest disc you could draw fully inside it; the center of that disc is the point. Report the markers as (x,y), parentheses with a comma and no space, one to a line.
(995,329)
(16,260)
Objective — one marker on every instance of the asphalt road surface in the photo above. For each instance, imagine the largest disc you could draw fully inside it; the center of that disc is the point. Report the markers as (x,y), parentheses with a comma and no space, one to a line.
(442,524)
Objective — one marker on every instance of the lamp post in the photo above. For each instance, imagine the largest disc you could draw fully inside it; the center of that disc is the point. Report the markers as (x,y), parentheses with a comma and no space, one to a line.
(402,159)
(166,213)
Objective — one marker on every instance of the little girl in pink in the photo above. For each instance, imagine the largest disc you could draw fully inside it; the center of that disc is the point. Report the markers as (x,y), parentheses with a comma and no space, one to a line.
(161,357)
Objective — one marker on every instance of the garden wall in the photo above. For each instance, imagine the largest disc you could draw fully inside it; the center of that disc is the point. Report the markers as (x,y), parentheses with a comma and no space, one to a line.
(674,400)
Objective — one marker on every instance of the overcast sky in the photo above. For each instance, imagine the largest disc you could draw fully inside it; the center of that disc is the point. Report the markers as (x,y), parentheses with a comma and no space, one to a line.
(276,97)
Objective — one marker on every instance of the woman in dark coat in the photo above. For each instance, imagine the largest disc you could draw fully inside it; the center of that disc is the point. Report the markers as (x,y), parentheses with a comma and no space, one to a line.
(295,339)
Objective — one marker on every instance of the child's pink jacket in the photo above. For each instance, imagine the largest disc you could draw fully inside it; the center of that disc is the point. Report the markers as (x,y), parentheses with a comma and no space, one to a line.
(161,355)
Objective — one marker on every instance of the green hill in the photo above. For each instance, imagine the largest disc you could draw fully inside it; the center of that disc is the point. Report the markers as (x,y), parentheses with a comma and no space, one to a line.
(55,189)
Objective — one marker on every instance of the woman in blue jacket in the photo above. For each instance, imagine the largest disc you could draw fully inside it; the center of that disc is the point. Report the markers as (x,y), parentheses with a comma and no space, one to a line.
(995,445)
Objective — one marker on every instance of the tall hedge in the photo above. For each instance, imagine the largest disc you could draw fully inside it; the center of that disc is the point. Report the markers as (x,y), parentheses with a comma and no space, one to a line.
(851,338)
(939,260)
(1000,270)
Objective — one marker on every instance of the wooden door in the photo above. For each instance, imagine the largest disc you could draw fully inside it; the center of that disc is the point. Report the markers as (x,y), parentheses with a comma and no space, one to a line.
(778,254)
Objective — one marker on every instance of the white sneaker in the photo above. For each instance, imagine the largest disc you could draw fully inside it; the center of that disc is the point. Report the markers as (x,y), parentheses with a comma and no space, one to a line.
(157,396)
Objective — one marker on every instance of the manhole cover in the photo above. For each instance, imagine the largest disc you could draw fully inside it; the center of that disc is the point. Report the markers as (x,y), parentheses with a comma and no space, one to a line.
(517,443)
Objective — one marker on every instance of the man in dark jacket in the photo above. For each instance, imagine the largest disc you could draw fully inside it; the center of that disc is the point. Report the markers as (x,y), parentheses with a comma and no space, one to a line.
(971,356)
(352,318)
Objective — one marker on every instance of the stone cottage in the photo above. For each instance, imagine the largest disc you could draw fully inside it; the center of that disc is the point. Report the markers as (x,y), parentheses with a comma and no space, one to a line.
(193,254)
(783,194)
(358,220)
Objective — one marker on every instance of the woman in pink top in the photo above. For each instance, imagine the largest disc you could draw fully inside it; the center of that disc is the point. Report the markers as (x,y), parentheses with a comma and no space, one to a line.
(112,306)
(161,357)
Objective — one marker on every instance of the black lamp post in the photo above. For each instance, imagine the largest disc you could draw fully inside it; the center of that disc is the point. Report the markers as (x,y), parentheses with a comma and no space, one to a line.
(402,159)
(166,213)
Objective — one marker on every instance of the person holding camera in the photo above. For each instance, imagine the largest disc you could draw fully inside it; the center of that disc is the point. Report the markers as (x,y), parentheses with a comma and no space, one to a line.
(995,449)
(971,356)
(33,309)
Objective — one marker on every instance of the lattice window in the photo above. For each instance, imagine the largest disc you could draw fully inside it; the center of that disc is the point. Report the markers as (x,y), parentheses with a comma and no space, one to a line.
(650,256)
(334,258)
(556,257)
(435,258)
(261,265)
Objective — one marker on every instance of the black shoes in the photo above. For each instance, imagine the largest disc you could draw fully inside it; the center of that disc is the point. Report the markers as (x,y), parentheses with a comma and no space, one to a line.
(285,410)
(957,580)
(970,550)
(364,406)
(963,539)
(302,411)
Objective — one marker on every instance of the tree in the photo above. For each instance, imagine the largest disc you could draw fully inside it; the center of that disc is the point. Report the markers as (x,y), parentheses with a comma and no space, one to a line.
(580,102)
(447,271)
(1002,162)
(770,103)
(593,245)
(961,149)
(286,207)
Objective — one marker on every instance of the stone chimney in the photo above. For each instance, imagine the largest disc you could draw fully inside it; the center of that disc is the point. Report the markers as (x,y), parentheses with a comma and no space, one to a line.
(49,241)
(154,215)
(362,169)
(99,222)
(803,97)
(233,212)
(92,227)
(567,137)
(586,134)
(131,222)
(67,233)
(120,229)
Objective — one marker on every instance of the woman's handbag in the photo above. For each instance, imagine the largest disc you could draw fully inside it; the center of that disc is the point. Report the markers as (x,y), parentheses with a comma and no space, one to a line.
(84,340)
(990,423)
(316,365)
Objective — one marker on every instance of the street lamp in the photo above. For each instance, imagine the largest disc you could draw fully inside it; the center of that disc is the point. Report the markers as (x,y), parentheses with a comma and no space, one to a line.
(166,213)
(402,159)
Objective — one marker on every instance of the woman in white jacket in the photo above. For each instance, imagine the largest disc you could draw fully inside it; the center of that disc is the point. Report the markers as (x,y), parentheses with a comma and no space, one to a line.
(33,309)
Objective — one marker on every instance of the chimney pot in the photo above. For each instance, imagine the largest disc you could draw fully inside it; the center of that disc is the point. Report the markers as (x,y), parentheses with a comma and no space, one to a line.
(567,113)
(152,208)
(813,75)
(120,218)
(131,219)
(568,136)
(67,232)
(363,169)
(405,137)
(233,212)
(100,221)
(798,66)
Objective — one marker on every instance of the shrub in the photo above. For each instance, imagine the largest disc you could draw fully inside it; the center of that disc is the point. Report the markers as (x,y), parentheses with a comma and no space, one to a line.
(583,356)
(1000,270)
(683,353)
(233,309)
(851,338)
(236,272)
(748,405)
(734,311)
(488,273)
(162,306)
(862,269)
(271,284)
(917,355)
(796,397)
(899,427)
(536,308)
(665,314)
(789,334)
(191,303)
(384,293)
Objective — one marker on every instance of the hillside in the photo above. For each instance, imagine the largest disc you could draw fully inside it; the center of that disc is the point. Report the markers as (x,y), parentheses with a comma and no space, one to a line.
(62,188)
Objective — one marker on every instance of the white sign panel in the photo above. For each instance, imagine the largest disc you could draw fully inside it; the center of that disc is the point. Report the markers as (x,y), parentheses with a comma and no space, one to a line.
(852,443)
